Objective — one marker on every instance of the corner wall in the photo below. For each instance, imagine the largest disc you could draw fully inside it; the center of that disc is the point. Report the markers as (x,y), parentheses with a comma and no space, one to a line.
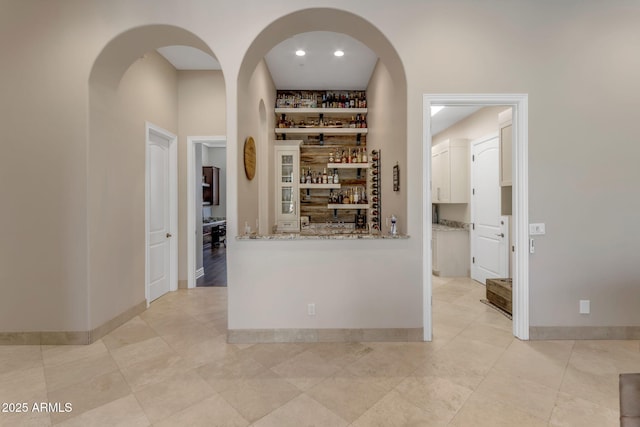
(386,121)
(260,87)
(147,92)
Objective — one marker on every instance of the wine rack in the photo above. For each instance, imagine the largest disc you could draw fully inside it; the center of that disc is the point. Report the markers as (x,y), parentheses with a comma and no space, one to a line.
(375,198)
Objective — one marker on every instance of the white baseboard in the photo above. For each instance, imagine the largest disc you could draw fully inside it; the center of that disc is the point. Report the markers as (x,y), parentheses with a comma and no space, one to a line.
(199,273)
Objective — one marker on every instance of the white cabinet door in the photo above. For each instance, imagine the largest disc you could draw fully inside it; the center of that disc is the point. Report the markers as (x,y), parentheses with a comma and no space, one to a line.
(450,253)
(287,156)
(450,171)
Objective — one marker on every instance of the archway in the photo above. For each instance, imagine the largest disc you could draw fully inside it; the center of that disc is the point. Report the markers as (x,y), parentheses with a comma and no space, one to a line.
(391,121)
(130,84)
(273,283)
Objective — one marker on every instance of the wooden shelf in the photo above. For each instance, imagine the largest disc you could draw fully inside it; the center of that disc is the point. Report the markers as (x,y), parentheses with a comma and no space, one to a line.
(348,206)
(343,111)
(204,184)
(320,186)
(318,130)
(347,165)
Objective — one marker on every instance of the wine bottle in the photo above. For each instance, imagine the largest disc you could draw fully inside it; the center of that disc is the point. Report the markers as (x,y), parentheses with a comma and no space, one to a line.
(364,155)
(325,178)
(336,178)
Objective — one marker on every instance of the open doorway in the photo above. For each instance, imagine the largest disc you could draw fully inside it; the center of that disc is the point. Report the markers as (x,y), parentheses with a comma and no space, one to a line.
(518,204)
(206,225)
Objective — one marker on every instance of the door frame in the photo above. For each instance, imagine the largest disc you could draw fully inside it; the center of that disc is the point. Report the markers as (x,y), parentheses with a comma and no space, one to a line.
(219,141)
(150,128)
(504,255)
(520,157)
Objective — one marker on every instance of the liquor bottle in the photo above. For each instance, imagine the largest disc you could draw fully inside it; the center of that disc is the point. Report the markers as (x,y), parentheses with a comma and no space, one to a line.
(336,178)
(324,100)
(356,196)
(302,176)
(344,157)
(352,123)
(331,159)
(364,155)
(325,178)
(308,177)
(354,156)
(359,155)
(338,157)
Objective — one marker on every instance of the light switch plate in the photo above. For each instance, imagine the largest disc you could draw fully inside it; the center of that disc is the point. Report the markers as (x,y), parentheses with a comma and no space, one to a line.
(537,229)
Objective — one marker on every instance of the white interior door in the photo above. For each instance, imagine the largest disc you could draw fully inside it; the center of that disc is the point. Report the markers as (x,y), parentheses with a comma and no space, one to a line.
(160,216)
(489,232)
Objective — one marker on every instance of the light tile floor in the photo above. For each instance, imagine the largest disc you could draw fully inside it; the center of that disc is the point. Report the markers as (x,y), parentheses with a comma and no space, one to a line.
(171,366)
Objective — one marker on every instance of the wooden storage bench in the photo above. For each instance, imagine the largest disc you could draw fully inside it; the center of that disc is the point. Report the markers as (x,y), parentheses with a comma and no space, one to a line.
(499,293)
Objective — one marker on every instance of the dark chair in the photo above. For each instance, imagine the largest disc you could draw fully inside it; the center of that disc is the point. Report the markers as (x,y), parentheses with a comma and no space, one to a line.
(222,233)
(629,400)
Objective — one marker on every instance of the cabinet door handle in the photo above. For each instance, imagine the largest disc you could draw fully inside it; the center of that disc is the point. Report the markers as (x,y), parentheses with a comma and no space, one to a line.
(168,235)
(500,235)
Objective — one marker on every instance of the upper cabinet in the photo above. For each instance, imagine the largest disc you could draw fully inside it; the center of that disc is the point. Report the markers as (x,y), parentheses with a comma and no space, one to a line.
(210,185)
(450,171)
(287,158)
(505,128)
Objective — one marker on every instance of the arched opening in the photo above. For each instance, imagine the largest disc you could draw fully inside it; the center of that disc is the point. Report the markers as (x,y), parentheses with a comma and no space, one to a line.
(387,91)
(132,84)
(347,281)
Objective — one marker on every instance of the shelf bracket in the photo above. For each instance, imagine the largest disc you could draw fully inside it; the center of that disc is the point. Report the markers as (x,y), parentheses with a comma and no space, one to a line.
(358,139)
(358,173)
(322,139)
(335,214)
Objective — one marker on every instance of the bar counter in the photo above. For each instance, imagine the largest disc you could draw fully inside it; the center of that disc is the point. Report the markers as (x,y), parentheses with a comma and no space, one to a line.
(321,236)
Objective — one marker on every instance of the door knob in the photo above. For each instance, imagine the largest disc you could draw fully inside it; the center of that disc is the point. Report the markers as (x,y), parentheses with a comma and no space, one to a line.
(168,235)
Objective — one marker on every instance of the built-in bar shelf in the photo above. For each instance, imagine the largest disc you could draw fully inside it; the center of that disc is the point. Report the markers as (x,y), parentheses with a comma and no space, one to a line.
(318,130)
(348,206)
(320,186)
(347,165)
(342,111)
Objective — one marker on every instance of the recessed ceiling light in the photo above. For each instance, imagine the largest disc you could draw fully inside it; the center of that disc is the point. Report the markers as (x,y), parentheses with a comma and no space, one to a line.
(300,52)
(338,53)
(435,109)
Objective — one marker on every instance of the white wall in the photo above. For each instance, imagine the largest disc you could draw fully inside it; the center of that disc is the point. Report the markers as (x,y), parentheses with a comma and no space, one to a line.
(572,58)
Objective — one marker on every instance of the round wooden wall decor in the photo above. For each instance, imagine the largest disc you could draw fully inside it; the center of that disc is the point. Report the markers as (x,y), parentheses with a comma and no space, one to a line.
(250,158)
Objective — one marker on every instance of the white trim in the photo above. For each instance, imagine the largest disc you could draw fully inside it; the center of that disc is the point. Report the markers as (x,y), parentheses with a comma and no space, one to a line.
(199,273)
(173,206)
(218,141)
(519,102)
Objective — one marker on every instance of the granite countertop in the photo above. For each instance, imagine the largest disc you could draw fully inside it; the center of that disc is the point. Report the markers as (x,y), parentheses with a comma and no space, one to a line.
(446,225)
(308,236)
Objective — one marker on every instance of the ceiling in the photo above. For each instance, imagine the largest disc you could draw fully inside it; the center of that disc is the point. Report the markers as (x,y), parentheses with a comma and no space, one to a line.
(318,69)
(449,116)
(189,58)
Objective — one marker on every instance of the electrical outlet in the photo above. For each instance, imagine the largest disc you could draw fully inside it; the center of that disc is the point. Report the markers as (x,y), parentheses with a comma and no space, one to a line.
(311,309)
(585,306)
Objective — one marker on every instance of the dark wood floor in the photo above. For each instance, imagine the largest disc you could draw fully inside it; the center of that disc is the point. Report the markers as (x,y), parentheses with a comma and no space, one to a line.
(214,260)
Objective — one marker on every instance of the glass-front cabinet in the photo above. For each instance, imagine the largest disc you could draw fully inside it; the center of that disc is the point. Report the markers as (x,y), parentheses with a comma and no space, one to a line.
(287,157)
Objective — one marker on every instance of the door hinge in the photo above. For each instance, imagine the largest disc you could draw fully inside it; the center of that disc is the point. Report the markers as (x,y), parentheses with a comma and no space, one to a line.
(473,260)
(473,191)
(473,226)
(473,157)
